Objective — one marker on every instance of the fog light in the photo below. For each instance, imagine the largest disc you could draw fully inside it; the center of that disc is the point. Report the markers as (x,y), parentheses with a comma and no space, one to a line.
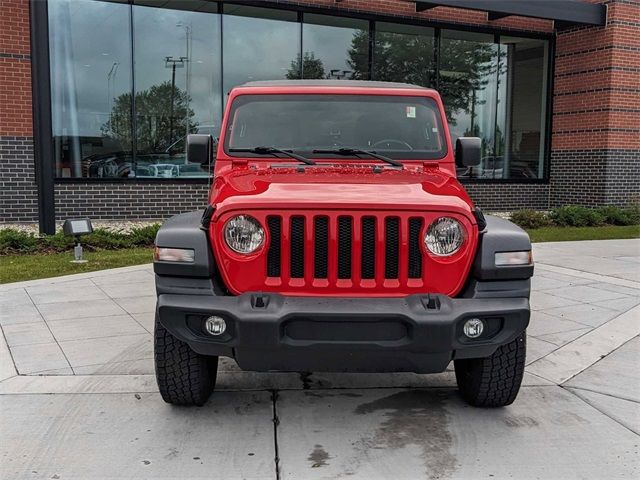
(215,325)
(473,327)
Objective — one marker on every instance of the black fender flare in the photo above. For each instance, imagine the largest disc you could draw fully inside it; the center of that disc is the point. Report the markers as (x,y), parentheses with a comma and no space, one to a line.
(501,235)
(186,231)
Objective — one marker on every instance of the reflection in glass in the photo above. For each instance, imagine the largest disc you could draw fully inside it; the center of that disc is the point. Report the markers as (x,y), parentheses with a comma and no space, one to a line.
(404,53)
(334,47)
(259,44)
(177,79)
(522,107)
(468,85)
(90,68)
(495,91)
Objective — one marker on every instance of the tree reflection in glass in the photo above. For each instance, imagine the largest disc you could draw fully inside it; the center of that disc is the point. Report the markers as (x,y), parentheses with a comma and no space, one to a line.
(468,86)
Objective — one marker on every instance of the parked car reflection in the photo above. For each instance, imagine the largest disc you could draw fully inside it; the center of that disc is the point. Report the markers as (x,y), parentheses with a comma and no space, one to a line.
(494,167)
(122,165)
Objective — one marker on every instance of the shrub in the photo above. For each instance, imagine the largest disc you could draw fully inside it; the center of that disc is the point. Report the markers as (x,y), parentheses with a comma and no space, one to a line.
(141,236)
(107,240)
(634,213)
(16,241)
(530,219)
(576,216)
(56,243)
(12,241)
(619,216)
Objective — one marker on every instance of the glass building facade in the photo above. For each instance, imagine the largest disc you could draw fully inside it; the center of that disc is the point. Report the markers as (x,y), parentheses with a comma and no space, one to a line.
(130,80)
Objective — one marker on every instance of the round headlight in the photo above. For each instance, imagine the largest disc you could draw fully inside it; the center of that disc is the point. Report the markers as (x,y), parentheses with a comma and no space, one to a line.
(444,236)
(243,234)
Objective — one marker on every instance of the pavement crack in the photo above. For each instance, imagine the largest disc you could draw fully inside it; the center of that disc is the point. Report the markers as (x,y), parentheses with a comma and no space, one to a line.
(276,424)
(127,313)
(570,390)
(3,338)
(51,332)
(571,387)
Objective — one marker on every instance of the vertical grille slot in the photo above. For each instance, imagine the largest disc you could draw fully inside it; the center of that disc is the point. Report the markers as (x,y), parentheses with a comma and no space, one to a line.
(273,255)
(321,246)
(368,260)
(297,247)
(415,251)
(345,227)
(392,245)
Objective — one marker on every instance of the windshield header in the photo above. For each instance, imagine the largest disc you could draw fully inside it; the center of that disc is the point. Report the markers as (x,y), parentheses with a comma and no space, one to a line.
(398,127)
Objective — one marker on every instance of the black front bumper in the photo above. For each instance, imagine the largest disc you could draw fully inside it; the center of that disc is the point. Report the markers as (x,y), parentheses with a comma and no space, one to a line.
(270,332)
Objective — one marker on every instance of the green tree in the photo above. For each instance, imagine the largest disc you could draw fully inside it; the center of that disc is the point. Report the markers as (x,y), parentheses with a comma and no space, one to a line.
(465,67)
(155,131)
(312,67)
(358,54)
(404,58)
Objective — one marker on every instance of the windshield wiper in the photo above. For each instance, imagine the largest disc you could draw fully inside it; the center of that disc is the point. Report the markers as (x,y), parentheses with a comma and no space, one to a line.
(273,151)
(358,151)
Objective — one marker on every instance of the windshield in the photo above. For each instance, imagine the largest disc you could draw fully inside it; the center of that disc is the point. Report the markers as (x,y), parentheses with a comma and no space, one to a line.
(399,127)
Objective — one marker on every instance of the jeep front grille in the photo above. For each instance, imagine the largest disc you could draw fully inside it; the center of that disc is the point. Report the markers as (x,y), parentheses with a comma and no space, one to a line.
(362,249)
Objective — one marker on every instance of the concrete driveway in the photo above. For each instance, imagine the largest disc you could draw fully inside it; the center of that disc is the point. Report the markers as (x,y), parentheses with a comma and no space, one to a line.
(78,396)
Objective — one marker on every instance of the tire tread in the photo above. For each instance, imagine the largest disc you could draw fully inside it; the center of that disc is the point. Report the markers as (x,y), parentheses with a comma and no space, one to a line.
(184,377)
(493,381)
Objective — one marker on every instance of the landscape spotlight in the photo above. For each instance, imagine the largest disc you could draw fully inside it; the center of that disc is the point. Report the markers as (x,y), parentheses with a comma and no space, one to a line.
(77,227)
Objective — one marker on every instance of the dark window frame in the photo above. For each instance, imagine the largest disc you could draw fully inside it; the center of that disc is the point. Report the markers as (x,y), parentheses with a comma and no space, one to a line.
(41,79)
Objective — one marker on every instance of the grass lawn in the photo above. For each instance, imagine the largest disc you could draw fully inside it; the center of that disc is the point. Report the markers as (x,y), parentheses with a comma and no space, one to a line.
(563,234)
(16,268)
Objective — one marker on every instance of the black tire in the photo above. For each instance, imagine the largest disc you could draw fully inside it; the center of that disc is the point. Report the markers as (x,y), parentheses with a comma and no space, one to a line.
(493,381)
(184,377)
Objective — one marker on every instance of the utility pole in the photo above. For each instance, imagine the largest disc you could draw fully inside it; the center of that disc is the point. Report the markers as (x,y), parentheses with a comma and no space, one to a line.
(173,63)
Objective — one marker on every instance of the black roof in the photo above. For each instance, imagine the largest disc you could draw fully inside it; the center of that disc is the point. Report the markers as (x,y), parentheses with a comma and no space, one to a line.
(330,83)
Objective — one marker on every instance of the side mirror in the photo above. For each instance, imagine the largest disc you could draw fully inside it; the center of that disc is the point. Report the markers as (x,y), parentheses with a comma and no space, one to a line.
(200,149)
(468,151)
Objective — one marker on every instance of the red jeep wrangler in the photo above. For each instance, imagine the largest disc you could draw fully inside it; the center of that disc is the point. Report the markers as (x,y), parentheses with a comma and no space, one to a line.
(337,238)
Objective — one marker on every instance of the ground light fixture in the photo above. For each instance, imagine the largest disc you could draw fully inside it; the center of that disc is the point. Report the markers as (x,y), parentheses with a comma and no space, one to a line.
(77,227)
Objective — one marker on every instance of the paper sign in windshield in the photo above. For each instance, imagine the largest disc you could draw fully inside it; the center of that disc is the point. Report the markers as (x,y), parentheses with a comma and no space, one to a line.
(411,112)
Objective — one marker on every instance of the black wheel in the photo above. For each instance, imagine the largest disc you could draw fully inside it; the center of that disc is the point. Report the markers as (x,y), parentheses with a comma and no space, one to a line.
(493,381)
(184,377)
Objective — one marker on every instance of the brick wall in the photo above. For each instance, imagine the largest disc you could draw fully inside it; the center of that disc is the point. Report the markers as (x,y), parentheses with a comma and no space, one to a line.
(18,193)
(596,114)
(407,9)
(507,197)
(623,177)
(128,200)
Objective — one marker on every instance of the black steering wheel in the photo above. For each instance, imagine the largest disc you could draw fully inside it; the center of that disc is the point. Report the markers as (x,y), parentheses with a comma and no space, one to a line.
(387,142)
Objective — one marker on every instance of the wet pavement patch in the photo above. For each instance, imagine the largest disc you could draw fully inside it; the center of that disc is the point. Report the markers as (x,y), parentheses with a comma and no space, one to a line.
(414,417)
(318,457)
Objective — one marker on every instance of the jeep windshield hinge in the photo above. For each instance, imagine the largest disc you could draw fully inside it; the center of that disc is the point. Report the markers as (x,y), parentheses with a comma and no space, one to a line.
(206,217)
(482,222)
